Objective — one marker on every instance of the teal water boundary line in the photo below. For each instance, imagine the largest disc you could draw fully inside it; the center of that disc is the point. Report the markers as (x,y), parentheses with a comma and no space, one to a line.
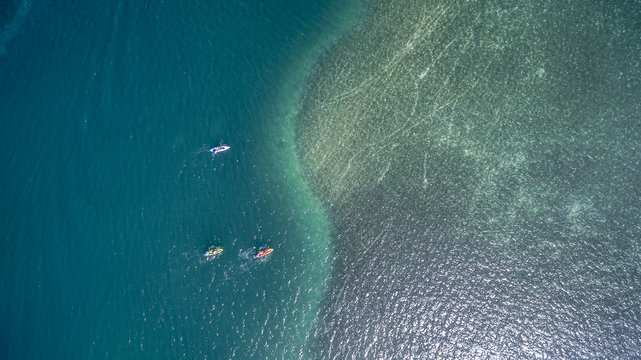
(309,214)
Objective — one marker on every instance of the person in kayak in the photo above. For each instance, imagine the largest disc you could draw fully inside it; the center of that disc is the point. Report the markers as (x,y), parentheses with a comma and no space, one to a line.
(212,253)
(263,253)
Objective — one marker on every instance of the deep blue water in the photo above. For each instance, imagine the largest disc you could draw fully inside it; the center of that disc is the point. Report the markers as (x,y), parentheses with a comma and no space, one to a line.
(109,197)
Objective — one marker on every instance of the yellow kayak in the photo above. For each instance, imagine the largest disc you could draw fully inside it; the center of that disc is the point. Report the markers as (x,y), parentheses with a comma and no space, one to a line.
(212,253)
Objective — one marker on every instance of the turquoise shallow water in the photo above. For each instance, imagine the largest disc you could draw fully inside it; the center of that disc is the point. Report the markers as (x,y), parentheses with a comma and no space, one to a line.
(480,163)
(109,196)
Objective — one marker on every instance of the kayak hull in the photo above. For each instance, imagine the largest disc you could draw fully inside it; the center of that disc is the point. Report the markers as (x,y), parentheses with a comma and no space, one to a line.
(213,252)
(263,253)
(219,149)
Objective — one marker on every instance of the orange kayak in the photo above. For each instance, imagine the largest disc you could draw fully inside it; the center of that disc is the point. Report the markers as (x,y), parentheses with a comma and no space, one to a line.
(263,253)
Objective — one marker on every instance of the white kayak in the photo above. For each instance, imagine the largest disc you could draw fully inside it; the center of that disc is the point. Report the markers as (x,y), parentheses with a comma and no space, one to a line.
(219,149)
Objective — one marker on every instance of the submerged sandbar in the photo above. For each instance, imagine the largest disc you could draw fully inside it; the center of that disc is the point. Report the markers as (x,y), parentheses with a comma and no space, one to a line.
(480,165)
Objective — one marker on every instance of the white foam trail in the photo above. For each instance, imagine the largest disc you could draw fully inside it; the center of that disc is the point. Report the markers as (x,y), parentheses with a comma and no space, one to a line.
(187,163)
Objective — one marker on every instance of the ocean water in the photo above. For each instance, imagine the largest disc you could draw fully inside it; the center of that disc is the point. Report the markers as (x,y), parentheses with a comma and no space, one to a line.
(480,163)
(109,195)
(450,179)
